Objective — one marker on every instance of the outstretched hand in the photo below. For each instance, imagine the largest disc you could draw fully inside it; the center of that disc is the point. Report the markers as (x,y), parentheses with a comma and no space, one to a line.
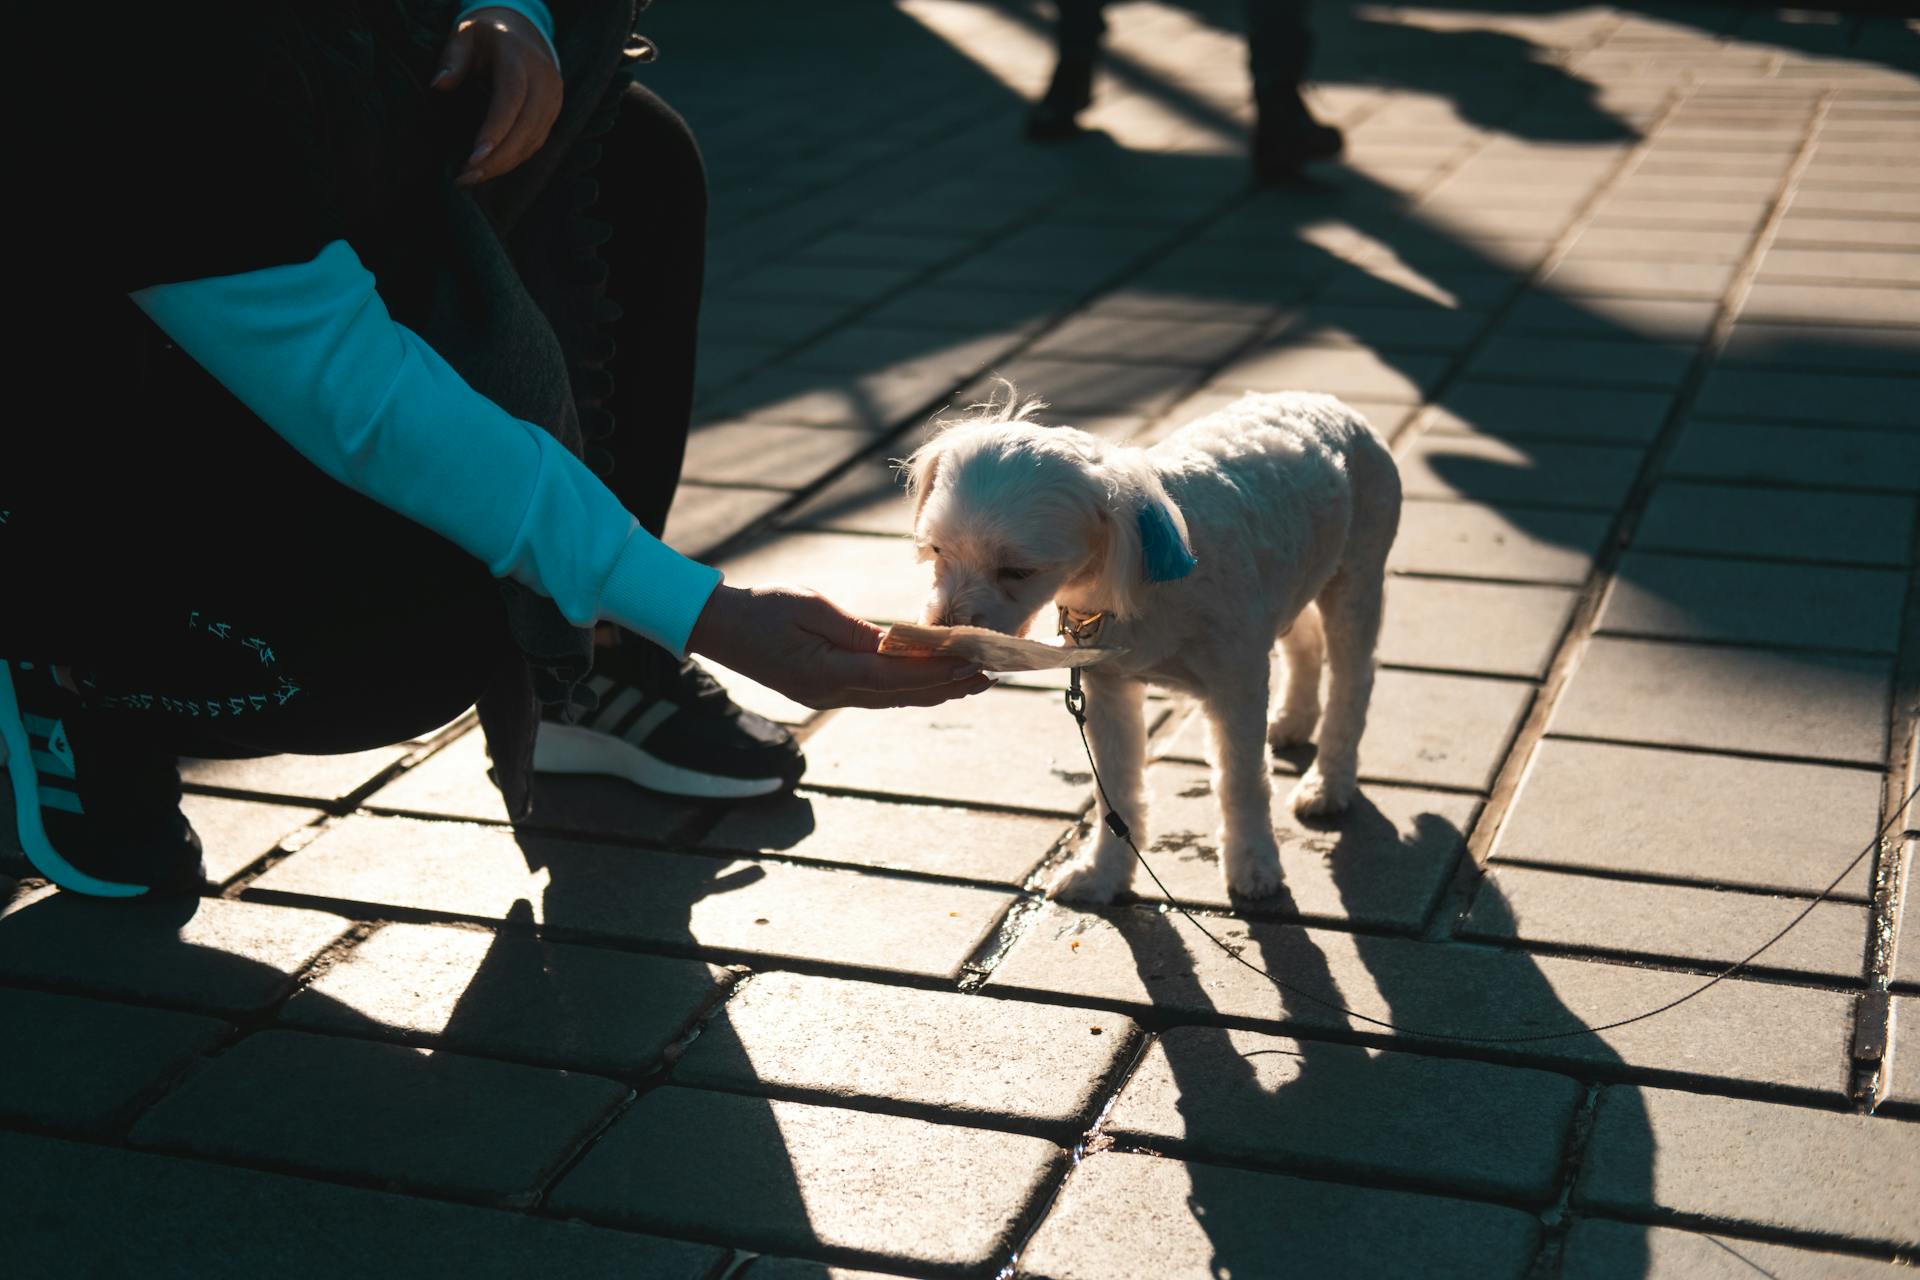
(527,88)
(803,645)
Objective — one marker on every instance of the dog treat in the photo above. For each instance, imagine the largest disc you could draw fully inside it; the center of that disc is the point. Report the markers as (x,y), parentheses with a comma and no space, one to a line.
(993,650)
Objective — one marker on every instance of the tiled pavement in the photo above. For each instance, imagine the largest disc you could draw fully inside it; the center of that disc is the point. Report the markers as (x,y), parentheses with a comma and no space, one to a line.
(1637,288)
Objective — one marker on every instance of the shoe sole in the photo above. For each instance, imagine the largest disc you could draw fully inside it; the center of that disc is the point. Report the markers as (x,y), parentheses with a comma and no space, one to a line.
(573,749)
(17,755)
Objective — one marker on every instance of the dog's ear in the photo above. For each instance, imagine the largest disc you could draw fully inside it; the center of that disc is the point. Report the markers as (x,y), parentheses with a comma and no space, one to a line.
(1142,538)
(921,467)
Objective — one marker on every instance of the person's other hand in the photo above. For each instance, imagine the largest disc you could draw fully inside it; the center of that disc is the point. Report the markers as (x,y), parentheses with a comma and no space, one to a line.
(527,88)
(806,647)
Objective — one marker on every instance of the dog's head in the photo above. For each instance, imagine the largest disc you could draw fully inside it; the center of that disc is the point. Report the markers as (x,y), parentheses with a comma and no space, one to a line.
(1013,513)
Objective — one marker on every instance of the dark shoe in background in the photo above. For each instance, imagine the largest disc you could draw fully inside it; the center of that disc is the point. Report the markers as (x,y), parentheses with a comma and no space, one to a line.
(1070,93)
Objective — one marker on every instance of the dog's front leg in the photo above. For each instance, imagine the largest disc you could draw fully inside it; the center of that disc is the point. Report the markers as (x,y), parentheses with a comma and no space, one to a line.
(1236,713)
(1117,731)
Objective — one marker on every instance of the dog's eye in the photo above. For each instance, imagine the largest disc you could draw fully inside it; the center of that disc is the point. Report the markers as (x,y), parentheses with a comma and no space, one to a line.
(1015,575)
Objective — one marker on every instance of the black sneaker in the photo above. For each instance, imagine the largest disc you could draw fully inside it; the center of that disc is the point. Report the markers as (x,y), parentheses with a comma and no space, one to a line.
(1286,139)
(1055,116)
(668,726)
(93,816)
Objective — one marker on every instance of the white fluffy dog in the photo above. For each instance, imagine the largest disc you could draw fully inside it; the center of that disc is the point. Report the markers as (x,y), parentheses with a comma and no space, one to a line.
(1270,518)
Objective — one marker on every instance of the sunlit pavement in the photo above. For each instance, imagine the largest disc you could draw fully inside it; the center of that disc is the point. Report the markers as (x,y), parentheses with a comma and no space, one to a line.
(1635,290)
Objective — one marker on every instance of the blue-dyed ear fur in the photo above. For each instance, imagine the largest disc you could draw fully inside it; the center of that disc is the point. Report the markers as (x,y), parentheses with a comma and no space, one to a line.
(1163,556)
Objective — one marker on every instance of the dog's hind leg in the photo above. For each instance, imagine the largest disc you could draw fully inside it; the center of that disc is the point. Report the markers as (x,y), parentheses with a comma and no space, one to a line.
(1249,855)
(1117,732)
(1299,709)
(1350,607)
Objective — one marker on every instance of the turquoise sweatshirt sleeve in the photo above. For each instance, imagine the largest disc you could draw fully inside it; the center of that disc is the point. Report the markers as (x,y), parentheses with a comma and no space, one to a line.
(311,349)
(533,11)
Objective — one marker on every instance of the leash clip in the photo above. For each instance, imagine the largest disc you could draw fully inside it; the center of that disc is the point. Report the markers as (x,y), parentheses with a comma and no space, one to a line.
(1076,700)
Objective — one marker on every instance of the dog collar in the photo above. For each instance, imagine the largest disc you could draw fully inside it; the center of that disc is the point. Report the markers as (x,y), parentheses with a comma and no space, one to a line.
(1082,630)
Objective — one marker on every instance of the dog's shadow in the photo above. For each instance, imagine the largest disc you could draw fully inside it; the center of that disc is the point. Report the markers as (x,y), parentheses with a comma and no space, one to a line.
(1376,1122)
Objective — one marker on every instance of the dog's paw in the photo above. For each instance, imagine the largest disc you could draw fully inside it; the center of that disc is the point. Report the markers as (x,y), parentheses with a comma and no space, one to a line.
(1292,727)
(1251,870)
(1087,881)
(1318,796)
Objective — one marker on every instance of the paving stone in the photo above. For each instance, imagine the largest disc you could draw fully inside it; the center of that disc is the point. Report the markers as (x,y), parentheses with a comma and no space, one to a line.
(1866,265)
(1422,730)
(1438,1123)
(765,1268)
(1683,244)
(235,834)
(782,322)
(1638,209)
(1639,918)
(1077,386)
(206,954)
(1484,627)
(737,908)
(871,497)
(80,1064)
(510,996)
(1475,540)
(174,1217)
(1131,299)
(1827,456)
(1812,229)
(788,1177)
(1903,1084)
(885,248)
(1383,864)
(950,309)
(998,848)
(302,777)
(398,1115)
(1387,285)
(1590,477)
(1845,399)
(876,578)
(1579,362)
(1653,279)
(1755,602)
(767,454)
(1597,1249)
(941,1054)
(705,516)
(1733,1160)
(453,783)
(1507,412)
(1811,705)
(1381,328)
(1816,346)
(874,349)
(877,402)
(1004,747)
(1155,339)
(1856,304)
(1629,809)
(1866,529)
(1340,371)
(1600,316)
(806,283)
(1123,1216)
(1149,964)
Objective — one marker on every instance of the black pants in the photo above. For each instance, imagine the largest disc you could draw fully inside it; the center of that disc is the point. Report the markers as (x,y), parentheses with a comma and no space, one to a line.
(220,596)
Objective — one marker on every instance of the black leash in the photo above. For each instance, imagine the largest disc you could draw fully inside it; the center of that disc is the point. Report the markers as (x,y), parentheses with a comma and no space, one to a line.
(1077,705)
